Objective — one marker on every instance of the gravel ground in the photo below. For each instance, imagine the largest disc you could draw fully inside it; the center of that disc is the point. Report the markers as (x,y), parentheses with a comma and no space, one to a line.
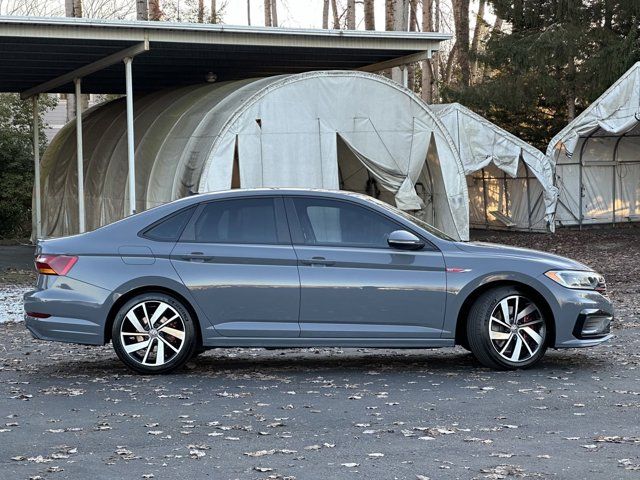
(74,412)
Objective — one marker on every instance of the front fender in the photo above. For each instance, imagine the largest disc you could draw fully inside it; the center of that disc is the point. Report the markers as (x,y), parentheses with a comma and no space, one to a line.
(460,286)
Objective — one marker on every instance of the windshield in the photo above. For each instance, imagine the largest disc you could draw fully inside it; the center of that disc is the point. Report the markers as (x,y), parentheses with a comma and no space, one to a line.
(407,216)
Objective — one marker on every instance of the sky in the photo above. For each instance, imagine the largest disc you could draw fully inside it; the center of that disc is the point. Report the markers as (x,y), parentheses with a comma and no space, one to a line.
(291,13)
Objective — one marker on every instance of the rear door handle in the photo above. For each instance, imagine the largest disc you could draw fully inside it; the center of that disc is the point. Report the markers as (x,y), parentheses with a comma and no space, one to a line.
(321,261)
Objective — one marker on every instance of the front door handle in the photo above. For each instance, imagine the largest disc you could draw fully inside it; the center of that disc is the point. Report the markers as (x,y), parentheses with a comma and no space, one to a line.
(317,261)
(197,257)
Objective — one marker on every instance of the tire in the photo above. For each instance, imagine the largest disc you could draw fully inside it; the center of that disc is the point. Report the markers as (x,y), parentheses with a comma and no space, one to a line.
(507,339)
(167,346)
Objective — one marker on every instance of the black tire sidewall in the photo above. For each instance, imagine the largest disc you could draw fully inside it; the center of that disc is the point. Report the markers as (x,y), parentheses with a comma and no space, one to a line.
(180,359)
(478,330)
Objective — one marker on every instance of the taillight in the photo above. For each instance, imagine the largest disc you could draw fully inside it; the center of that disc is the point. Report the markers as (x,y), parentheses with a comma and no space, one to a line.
(55,264)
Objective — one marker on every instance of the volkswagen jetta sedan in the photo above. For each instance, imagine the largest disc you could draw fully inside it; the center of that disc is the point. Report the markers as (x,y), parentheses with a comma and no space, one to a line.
(303,268)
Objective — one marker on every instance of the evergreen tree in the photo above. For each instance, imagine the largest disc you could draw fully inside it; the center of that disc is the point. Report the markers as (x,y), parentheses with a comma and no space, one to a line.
(556,58)
(16,163)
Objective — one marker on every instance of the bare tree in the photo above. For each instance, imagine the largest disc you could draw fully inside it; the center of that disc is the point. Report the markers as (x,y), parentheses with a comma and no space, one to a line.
(214,12)
(267,13)
(427,66)
(389,11)
(461,20)
(73,8)
(155,12)
(400,23)
(274,13)
(479,35)
(142,10)
(200,11)
(369,15)
(325,14)
(351,14)
(336,17)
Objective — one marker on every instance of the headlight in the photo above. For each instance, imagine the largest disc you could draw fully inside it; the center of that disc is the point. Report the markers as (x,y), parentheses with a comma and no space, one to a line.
(578,279)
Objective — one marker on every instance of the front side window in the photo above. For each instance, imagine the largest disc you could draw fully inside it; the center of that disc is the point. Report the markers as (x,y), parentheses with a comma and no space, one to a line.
(336,223)
(246,220)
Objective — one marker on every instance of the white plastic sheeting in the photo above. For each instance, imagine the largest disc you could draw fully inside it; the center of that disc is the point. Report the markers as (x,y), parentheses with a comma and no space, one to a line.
(298,130)
(597,158)
(490,153)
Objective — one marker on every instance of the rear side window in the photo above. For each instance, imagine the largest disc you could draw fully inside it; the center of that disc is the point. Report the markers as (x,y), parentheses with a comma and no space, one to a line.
(169,228)
(247,220)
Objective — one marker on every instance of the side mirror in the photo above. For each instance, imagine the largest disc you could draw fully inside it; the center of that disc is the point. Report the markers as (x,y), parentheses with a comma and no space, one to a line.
(404,240)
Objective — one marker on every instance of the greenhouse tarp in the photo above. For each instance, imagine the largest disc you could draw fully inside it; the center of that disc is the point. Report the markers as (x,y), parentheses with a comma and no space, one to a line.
(481,143)
(273,132)
(597,157)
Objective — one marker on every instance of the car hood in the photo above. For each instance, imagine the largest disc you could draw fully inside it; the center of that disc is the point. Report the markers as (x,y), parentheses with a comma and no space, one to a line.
(496,250)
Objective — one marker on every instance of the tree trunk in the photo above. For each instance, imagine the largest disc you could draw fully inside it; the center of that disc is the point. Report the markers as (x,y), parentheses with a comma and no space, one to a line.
(142,13)
(336,17)
(435,60)
(155,12)
(214,12)
(267,13)
(413,27)
(427,67)
(389,10)
(325,14)
(351,14)
(369,15)
(73,8)
(200,11)
(478,34)
(461,20)
(274,13)
(571,90)
(400,23)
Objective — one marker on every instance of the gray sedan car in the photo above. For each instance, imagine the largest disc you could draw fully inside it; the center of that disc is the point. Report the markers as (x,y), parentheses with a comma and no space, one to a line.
(303,268)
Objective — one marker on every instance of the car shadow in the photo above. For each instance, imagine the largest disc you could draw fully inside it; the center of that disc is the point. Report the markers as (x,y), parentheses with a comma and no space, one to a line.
(220,362)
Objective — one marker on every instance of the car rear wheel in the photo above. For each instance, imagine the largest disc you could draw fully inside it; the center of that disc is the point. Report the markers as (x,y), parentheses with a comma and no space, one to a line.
(506,329)
(153,333)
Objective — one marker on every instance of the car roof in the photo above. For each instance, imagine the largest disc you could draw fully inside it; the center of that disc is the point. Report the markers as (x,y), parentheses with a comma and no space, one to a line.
(280,191)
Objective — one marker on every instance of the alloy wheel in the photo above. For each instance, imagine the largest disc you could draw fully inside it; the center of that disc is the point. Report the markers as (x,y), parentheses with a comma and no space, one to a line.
(517,329)
(152,333)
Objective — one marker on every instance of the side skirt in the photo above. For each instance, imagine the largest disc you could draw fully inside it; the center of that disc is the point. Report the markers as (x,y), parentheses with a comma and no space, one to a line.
(329,342)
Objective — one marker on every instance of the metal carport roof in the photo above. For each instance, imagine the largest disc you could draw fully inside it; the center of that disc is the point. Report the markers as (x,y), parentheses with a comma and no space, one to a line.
(36,50)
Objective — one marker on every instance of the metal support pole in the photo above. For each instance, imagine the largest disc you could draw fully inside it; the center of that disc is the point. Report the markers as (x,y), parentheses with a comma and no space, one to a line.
(79,155)
(405,76)
(36,165)
(484,199)
(130,137)
(528,183)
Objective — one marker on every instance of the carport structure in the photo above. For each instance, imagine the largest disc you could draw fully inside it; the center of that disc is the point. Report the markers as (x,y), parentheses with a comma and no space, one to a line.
(63,55)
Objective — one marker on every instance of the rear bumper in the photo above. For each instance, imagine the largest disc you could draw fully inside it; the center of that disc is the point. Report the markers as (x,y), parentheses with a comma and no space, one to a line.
(61,329)
(77,311)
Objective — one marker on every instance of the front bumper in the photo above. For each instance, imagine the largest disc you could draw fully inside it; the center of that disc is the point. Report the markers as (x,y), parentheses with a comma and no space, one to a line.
(582,317)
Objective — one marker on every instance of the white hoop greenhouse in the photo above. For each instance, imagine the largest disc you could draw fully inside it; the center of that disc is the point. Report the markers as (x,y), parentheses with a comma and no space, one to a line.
(349,130)
(510,183)
(598,158)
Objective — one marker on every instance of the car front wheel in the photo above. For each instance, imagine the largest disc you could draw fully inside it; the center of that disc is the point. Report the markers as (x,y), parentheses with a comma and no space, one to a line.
(153,333)
(506,329)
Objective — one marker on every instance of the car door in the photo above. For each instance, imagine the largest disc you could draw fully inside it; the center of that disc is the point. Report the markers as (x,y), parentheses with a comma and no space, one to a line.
(353,284)
(236,258)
